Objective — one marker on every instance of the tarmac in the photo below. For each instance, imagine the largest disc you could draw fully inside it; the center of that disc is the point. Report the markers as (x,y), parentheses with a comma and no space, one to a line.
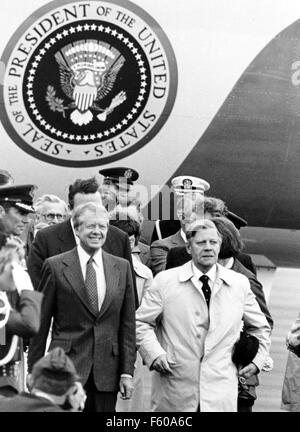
(284,305)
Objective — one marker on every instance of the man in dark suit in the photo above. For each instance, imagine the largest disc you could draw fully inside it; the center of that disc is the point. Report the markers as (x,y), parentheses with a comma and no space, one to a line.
(60,238)
(89,293)
(49,210)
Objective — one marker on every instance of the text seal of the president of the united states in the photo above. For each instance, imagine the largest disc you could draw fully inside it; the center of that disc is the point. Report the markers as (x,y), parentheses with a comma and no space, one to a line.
(87,83)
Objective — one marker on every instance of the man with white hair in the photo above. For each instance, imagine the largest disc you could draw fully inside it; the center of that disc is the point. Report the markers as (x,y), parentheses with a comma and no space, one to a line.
(50,209)
(188,323)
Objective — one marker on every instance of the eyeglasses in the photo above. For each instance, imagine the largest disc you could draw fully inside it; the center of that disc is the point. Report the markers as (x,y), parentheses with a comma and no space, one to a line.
(52,216)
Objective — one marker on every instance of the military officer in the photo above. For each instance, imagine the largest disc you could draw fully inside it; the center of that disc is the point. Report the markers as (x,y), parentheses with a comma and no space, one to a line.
(189,193)
(23,309)
(117,186)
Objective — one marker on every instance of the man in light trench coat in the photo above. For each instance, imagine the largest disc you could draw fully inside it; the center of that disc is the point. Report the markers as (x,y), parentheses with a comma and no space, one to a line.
(187,338)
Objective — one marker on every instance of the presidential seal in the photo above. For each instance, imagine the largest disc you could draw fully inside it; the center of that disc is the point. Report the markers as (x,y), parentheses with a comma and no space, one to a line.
(87,83)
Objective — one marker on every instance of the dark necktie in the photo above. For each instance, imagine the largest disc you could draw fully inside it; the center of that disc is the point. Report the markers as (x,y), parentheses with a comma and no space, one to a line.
(91,284)
(205,288)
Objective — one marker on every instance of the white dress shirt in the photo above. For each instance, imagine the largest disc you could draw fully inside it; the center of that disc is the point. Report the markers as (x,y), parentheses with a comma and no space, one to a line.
(211,274)
(98,266)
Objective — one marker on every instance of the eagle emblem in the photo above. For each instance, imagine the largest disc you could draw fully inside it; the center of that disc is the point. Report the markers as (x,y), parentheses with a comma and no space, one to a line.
(128,173)
(88,70)
(187,184)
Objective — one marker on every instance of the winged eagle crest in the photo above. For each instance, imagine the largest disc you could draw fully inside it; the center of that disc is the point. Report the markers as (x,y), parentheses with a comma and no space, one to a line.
(88,71)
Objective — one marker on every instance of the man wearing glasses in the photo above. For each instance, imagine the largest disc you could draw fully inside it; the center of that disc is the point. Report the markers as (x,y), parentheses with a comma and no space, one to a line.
(49,210)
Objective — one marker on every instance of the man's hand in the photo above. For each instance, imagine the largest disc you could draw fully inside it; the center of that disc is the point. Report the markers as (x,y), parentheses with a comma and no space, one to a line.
(126,387)
(248,371)
(163,365)
(77,397)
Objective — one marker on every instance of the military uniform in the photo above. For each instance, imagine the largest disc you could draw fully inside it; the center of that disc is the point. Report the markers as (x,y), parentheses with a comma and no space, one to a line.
(24,317)
(23,321)
(118,182)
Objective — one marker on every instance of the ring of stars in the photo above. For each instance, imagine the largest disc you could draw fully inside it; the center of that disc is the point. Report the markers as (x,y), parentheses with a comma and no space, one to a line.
(43,51)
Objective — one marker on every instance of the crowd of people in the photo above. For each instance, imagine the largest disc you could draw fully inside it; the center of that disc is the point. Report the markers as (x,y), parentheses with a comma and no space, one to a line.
(88,309)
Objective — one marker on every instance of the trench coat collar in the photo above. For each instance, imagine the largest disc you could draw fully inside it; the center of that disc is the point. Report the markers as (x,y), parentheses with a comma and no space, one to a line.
(223,274)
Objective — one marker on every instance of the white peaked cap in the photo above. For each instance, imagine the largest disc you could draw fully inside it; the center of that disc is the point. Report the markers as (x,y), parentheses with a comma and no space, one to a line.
(183,184)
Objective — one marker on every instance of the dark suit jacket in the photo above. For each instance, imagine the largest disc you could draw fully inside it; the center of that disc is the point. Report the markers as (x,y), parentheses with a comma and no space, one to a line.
(59,238)
(179,255)
(167,228)
(103,341)
(159,251)
(256,288)
(247,262)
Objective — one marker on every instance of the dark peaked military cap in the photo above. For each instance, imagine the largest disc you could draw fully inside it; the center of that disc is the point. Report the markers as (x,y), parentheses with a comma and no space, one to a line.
(20,196)
(120,175)
(56,364)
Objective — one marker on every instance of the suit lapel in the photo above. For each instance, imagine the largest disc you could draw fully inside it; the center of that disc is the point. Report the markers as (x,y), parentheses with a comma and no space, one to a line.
(73,274)
(112,276)
(66,237)
(185,257)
